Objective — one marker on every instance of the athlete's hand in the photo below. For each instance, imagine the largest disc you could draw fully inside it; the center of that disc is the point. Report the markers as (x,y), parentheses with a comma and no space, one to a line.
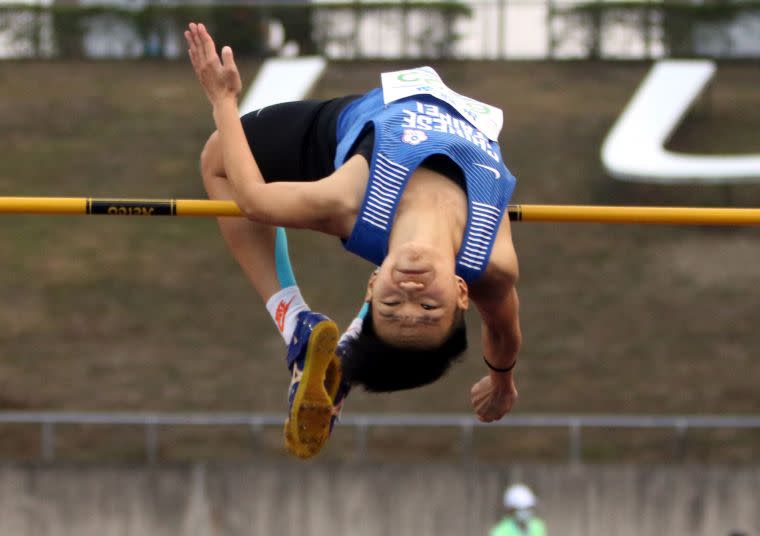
(493,397)
(219,77)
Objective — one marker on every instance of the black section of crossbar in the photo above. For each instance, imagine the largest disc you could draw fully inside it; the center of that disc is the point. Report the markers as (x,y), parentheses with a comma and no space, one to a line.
(132,207)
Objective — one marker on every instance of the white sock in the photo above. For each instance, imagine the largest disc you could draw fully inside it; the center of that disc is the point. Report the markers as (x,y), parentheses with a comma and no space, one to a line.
(284,307)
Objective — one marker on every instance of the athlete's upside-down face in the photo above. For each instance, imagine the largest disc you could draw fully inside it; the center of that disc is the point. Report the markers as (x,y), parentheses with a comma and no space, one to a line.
(415,295)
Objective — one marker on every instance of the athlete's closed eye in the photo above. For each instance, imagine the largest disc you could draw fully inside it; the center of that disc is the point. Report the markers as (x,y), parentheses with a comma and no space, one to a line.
(426,306)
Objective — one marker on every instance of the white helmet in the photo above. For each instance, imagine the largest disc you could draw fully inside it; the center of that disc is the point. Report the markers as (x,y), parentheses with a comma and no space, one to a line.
(519,497)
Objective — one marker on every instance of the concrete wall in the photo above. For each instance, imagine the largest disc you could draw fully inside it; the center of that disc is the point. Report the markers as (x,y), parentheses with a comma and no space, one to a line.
(307,499)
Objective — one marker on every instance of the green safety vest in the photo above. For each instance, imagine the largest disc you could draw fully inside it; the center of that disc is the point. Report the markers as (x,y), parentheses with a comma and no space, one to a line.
(509,527)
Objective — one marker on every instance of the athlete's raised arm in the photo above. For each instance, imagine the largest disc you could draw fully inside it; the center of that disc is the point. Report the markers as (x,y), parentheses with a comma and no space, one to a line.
(220,80)
(319,205)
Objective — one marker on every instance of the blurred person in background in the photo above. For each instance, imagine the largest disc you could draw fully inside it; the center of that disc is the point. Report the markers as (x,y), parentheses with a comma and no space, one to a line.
(409,182)
(521,520)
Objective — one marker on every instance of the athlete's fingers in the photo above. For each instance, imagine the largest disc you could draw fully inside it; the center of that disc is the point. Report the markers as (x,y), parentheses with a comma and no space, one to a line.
(195,62)
(191,50)
(201,51)
(207,43)
(188,39)
(194,39)
(189,42)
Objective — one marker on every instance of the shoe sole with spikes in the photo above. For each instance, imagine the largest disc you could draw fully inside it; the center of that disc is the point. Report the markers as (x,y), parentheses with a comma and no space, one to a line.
(308,426)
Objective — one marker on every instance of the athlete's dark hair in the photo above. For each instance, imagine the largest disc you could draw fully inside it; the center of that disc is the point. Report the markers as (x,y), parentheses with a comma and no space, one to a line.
(381,367)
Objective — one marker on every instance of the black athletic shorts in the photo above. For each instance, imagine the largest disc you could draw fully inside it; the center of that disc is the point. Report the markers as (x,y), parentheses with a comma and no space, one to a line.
(295,141)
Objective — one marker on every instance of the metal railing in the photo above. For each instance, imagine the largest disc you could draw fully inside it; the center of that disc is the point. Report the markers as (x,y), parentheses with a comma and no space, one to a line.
(49,421)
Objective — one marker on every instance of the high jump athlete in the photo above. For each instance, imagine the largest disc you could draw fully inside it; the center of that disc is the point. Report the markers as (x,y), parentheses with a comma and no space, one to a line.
(410,177)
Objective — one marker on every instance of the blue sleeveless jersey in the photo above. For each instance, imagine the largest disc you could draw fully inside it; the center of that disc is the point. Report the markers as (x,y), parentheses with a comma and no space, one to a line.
(407,132)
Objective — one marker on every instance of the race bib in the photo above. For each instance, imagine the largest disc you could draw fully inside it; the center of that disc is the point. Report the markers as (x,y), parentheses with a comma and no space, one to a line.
(425,81)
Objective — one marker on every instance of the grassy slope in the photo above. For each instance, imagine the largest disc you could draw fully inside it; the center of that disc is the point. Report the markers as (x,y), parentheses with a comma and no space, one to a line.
(118,314)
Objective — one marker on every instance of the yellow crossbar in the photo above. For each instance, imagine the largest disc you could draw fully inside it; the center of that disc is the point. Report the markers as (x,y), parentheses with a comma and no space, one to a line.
(625,214)
(537,213)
